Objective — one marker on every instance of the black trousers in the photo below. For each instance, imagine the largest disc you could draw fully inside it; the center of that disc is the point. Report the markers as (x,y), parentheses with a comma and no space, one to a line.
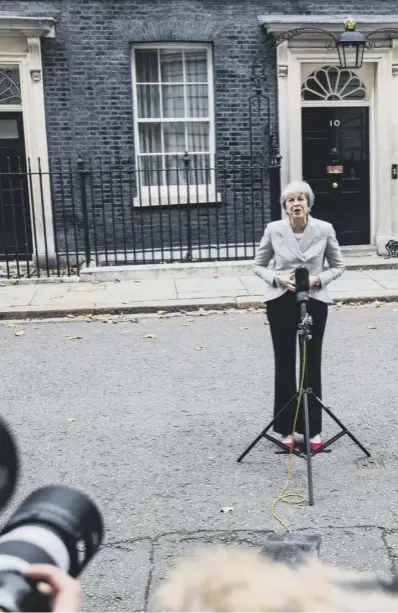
(283,316)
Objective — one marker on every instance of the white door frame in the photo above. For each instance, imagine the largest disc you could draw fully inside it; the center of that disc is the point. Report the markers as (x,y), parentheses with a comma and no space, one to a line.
(24,52)
(381,133)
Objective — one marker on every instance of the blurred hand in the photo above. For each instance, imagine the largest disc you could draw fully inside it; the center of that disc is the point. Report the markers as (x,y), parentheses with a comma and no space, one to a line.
(314,281)
(65,593)
(288,282)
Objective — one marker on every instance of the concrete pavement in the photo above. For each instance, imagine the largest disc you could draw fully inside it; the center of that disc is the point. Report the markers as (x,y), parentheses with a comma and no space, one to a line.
(238,289)
(149,415)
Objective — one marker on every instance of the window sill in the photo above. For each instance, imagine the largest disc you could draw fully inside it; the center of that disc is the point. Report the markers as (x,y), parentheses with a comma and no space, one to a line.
(175,200)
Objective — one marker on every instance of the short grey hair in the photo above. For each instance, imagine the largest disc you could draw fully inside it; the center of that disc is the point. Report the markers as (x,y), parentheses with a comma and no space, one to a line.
(298,187)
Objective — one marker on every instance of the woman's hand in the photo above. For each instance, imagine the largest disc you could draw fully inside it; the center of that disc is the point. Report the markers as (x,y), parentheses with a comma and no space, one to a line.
(65,592)
(288,282)
(314,281)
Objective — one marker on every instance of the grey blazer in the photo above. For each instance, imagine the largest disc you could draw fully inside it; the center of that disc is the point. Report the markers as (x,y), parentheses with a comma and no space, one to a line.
(280,253)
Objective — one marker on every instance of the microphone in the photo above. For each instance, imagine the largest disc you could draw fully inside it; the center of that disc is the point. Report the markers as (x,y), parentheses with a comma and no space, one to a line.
(302,284)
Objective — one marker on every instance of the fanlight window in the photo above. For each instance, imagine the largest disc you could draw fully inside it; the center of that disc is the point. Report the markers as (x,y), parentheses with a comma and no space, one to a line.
(333,83)
(10,86)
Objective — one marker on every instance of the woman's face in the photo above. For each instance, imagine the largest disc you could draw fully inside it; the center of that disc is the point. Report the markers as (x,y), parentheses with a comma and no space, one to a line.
(297,207)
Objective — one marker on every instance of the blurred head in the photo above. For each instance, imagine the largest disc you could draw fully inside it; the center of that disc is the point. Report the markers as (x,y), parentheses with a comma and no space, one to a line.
(297,199)
(231,579)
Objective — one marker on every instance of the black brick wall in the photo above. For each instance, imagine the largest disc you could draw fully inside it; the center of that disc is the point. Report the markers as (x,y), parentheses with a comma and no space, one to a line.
(88,94)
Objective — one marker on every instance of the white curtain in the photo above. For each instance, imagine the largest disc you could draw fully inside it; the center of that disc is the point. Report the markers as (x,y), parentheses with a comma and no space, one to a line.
(172,84)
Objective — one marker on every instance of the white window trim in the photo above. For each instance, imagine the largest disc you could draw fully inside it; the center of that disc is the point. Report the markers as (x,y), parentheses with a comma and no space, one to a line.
(172,195)
(32,108)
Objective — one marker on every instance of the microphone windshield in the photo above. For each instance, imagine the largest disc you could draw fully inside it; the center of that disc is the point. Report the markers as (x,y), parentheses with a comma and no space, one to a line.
(302,280)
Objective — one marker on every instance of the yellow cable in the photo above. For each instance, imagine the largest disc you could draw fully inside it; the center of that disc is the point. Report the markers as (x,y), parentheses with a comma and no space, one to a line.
(283,495)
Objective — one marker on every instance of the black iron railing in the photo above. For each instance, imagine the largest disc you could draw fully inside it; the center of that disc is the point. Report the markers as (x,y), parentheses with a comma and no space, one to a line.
(103,212)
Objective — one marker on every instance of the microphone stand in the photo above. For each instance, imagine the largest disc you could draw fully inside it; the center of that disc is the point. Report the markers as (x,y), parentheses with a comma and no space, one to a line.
(304,334)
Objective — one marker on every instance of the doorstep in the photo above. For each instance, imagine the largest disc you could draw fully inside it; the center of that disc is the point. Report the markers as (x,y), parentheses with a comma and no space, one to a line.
(210,269)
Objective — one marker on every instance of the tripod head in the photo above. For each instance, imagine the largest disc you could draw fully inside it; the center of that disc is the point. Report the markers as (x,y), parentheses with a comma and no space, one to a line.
(304,327)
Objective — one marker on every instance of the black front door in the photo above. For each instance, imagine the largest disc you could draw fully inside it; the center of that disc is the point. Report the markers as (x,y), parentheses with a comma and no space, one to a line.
(15,226)
(336,165)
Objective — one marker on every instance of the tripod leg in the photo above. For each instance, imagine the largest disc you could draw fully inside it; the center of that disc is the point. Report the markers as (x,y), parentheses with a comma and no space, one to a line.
(264,432)
(253,444)
(308,449)
(342,426)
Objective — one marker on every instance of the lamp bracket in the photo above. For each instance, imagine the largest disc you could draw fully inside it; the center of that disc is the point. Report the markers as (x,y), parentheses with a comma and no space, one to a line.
(371,44)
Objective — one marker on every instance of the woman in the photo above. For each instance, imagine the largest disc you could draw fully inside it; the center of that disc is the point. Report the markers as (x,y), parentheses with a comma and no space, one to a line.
(296,241)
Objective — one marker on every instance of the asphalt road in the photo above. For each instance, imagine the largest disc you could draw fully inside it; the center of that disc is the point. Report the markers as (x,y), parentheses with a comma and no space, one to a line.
(151,429)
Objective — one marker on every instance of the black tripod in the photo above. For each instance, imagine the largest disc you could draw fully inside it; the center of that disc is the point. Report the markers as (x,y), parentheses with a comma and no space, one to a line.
(304,333)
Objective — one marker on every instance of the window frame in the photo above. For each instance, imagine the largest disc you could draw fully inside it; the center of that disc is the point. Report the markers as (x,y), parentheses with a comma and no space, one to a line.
(176,194)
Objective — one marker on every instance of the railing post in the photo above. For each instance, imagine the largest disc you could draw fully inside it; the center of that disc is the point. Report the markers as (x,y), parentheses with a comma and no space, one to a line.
(83,193)
(274,170)
(187,163)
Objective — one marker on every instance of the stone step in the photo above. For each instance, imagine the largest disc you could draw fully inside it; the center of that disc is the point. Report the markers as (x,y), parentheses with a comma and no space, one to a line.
(211,269)
(358,250)
(367,262)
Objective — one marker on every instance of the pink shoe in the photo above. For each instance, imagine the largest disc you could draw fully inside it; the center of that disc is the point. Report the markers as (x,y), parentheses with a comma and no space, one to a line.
(290,445)
(315,446)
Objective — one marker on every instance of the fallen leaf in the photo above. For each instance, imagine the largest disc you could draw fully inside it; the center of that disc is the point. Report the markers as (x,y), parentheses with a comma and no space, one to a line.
(202,312)
(226,510)
(20,333)
(150,336)
(70,337)
(199,348)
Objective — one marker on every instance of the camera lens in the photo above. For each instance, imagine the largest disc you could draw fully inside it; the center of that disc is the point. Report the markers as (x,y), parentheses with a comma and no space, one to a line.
(54,525)
(8,465)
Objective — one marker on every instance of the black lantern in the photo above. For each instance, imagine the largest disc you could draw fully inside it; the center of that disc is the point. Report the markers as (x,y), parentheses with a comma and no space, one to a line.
(350,46)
